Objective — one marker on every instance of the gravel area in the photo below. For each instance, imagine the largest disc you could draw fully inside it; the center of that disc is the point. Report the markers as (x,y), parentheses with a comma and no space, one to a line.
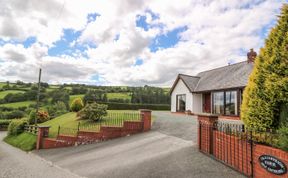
(15,163)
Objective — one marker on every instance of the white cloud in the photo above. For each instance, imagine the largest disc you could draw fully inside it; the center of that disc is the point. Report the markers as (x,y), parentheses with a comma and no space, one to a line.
(216,32)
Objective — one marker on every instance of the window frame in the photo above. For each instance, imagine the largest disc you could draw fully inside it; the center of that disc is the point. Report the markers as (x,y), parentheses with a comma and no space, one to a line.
(224,101)
(177,102)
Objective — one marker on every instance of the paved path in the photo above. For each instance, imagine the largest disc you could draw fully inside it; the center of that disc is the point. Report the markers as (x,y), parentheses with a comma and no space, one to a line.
(15,163)
(169,150)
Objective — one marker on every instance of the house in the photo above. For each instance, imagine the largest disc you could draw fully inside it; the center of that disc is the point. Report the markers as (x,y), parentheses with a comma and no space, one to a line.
(217,91)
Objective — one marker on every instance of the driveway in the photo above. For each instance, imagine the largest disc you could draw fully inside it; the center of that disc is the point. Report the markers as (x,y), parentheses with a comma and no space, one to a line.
(169,150)
(15,163)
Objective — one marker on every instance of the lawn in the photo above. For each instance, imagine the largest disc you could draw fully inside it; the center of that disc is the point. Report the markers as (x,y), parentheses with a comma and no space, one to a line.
(69,122)
(24,141)
(18,104)
(4,93)
(118,96)
(72,97)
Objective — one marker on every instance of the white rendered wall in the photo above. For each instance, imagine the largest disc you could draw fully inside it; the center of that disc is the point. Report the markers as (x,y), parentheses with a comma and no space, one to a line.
(181,88)
(197,103)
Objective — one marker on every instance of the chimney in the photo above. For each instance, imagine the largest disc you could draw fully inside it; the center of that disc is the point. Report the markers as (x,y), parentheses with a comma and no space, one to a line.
(251,56)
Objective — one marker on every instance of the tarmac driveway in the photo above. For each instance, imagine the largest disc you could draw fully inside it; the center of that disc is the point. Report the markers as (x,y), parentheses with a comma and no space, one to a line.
(169,150)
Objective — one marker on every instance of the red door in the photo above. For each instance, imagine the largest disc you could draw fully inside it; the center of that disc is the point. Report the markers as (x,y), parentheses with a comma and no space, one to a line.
(207,103)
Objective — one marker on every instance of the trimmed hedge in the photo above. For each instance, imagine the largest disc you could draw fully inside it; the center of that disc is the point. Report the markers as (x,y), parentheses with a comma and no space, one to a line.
(4,124)
(132,106)
(16,126)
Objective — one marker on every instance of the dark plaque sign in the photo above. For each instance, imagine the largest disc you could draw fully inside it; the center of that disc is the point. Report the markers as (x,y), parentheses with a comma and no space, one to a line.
(272,164)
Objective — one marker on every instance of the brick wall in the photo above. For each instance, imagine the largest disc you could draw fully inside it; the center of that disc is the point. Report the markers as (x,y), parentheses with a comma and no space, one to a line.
(105,133)
(234,149)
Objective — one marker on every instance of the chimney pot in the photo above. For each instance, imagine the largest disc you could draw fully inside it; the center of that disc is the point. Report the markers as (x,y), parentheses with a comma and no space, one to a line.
(251,56)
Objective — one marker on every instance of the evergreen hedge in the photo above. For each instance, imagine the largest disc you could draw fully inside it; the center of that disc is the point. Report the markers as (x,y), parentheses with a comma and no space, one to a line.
(132,106)
(267,89)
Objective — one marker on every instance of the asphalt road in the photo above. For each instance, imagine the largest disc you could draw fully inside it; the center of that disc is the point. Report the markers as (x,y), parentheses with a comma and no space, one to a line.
(15,163)
(169,150)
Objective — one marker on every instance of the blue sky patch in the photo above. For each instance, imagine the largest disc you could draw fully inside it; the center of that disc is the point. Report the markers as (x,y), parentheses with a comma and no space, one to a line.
(141,20)
(138,62)
(29,41)
(167,40)
(63,46)
(92,17)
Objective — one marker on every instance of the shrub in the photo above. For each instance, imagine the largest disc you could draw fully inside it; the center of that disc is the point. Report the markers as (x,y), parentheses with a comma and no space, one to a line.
(42,116)
(16,114)
(76,105)
(4,124)
(268,83)
(57,109)
(60,95)
(283,138)
(17,126)
(93,112)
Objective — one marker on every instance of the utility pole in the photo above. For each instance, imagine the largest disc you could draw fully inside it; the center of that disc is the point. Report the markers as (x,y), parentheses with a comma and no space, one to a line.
(38,96)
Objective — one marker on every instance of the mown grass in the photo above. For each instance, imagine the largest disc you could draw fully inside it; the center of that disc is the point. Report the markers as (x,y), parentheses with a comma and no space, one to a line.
(24,141)
(18,104)
(69,122)
(4,93)
(118,96)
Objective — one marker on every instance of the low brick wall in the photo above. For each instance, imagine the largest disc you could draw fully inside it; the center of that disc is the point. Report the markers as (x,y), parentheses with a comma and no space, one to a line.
(259,150)
(235,150)
(105,133)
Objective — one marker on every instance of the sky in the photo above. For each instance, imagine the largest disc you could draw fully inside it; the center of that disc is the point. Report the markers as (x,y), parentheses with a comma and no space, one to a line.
(128,42)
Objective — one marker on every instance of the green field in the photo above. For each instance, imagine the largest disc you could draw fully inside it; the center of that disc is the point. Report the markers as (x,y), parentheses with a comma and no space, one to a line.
(2,84)
(24,141)
(4,93)
(18,104)
(69,122)
(72,97)
(119,95)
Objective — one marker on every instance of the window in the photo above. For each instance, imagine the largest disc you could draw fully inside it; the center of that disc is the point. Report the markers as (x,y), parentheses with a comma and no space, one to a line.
(181,102)
(218,102)
(230,102)
(225,103)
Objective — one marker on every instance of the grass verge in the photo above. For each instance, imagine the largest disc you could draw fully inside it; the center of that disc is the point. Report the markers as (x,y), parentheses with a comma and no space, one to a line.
(24,141)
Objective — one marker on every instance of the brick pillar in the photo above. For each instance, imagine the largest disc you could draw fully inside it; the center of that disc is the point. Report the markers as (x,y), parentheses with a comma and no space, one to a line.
(146,118)
(205,132)
(43,131)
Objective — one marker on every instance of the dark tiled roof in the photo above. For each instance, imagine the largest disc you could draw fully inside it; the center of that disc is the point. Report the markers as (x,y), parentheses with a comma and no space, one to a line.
(231,76)
(190,81)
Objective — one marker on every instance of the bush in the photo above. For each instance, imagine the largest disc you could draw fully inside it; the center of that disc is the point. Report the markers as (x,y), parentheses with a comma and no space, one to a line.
(57,109)
(42,116)
(4,124)
(76,105)
(131,106)
(16,114)
(268,83)
(17,126)
(93,112)
(283,138)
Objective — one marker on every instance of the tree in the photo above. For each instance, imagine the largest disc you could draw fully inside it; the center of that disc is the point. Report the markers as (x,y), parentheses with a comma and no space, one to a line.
(76,105)
(93,111)
(267,89)
(60,95)
(57,109)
